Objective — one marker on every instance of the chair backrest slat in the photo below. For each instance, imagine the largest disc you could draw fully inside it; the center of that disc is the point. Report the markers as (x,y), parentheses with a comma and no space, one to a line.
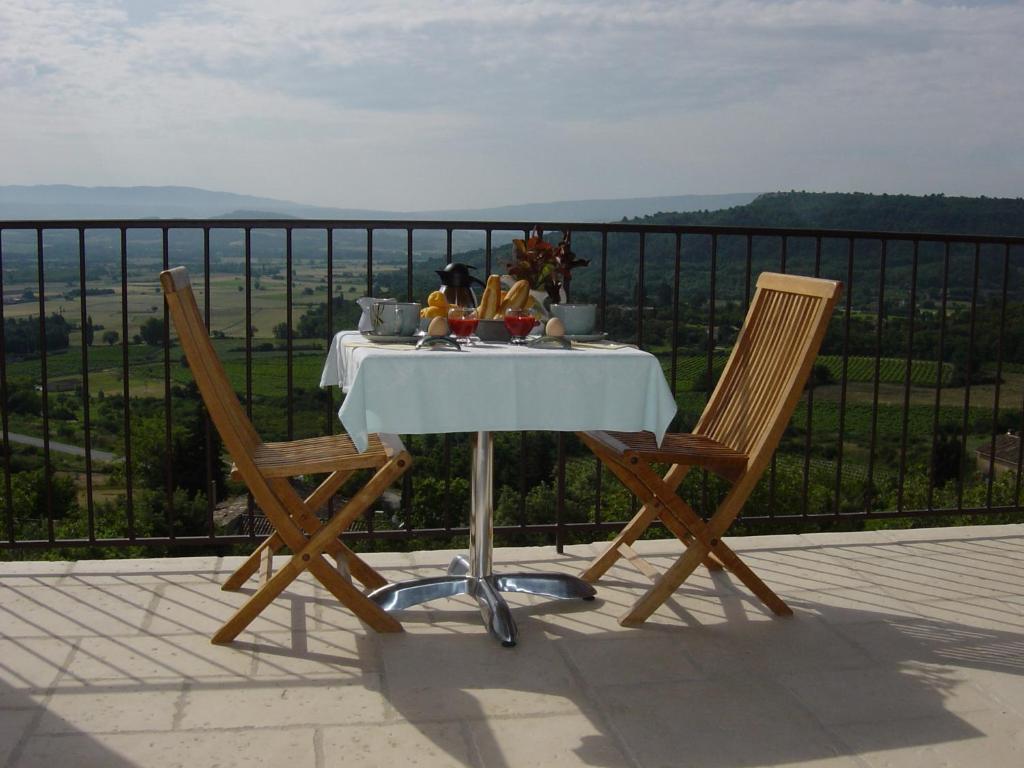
(235,428)
(766,372)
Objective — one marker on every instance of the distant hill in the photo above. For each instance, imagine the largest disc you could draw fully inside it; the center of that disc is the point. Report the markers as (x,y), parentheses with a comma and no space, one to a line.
(62,201)
(888,213)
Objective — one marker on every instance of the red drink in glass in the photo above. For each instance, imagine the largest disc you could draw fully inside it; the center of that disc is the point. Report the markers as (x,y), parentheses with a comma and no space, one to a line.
(463,327)
(519,323)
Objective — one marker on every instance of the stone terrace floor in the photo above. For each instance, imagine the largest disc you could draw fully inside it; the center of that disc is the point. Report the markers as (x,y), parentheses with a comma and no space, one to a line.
(907,648)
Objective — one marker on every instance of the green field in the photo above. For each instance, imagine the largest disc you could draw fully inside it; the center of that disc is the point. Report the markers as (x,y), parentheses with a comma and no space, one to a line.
(891,370)
(227,299)
(691,370)
(146,368)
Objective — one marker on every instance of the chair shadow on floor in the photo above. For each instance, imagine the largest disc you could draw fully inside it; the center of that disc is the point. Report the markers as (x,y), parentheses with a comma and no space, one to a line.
(711,680)
(721,665)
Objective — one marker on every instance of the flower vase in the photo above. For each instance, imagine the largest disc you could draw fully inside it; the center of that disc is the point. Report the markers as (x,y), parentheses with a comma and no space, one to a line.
(542,301)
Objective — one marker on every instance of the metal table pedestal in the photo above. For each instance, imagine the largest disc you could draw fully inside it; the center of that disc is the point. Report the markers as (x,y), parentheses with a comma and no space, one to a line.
(473,576)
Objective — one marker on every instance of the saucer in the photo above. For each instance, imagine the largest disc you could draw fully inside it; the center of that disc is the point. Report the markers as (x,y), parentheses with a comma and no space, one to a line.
(381,338)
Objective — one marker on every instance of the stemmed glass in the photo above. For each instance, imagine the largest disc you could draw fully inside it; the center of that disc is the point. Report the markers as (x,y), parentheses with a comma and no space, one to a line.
(463,322)
(519,323)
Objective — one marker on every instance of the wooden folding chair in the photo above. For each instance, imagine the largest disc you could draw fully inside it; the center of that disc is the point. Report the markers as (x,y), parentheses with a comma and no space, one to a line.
(266,469)
(734,438)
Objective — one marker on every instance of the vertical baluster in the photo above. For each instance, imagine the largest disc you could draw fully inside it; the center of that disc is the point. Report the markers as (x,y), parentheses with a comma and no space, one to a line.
(968,375)
(408,261)
(329,336)
(640,280)
(999,376)
(712,291)
(126,389)
(45,400)
(941,364)
(907,378)
(4,422)
(289,355)
(869,494)
(747,272)
(250,505)
(90,510)
(560,495)
(809,424)
(842,380)
(211,486)
(674,365)
(602,304)
(603,299)
(407,487)
(487,253)
(168,451)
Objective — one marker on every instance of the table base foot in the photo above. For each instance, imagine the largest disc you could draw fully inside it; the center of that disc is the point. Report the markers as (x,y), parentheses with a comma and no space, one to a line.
(487,590)
(560,586)
(405,594)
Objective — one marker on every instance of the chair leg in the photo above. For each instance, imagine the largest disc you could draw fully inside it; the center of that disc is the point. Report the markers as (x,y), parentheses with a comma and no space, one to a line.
(310,523)
(705,538)
(309,552)
(348,595)
(670,581)
(753,582)
(272,544)
(364,608)
(358,567)
(266,566)
(642,520)
(633,530)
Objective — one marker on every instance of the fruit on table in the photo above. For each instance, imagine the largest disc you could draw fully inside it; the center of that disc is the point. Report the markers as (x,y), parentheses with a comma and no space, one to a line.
(438,327)
(434,312)
(555,327)
(437,299)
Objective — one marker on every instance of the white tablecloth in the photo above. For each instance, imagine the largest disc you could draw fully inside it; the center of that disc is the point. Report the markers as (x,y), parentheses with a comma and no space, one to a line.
(495,388)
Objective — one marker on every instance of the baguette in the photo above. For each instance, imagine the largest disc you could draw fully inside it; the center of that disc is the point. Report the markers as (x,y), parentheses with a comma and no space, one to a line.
(517,296)
(491,297)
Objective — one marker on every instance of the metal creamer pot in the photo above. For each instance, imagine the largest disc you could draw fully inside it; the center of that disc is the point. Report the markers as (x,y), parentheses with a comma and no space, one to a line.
(366,305)
(457,285)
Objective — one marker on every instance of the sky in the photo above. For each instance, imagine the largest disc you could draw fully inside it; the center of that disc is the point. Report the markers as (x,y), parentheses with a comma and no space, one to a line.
(436,104)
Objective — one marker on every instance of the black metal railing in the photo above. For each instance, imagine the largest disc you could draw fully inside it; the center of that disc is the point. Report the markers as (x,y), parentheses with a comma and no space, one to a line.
(106,445)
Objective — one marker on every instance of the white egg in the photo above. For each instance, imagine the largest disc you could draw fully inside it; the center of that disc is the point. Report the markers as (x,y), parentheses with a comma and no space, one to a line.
(438,327)
(555,327)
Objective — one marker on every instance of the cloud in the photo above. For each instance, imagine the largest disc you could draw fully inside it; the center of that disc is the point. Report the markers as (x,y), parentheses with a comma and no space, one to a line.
(392,94)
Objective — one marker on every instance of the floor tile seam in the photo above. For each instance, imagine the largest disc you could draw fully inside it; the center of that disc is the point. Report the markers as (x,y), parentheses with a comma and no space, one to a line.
(922,568)
(180,703)
(995,698)
(473,750)
(967,597)
(319,761)
(597,706)
(212,730)
(832,724)
(931,579)
(150,609)
(111,686)
(848,749)
(144,684)
(477,717)
(787,694)
(32,728)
